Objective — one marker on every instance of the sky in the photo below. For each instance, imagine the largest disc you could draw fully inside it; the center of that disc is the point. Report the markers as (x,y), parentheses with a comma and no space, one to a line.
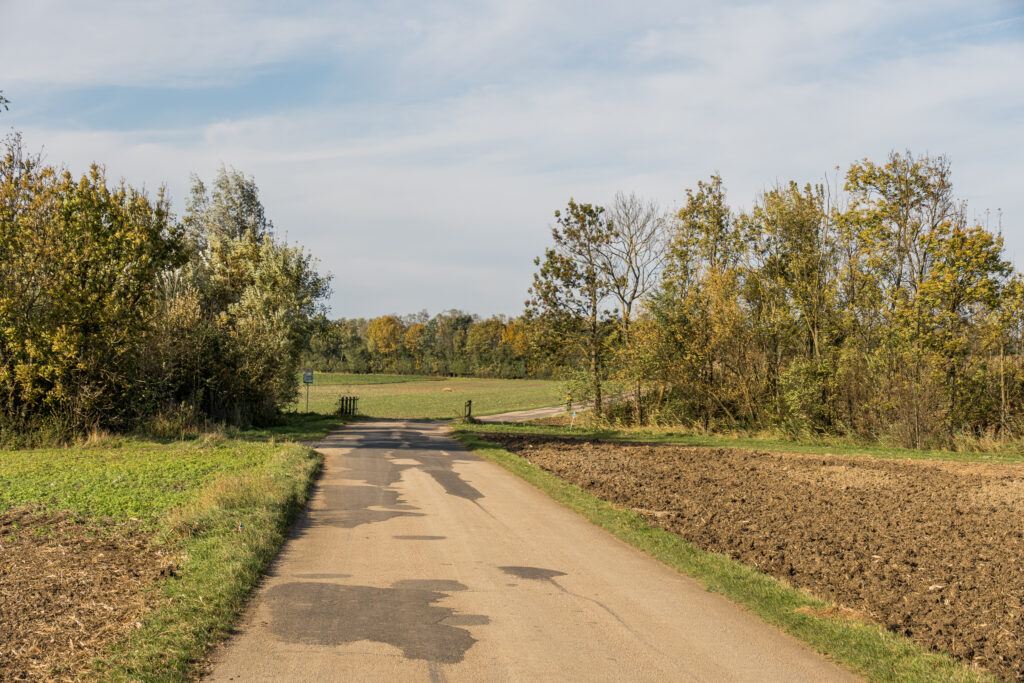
(420,149)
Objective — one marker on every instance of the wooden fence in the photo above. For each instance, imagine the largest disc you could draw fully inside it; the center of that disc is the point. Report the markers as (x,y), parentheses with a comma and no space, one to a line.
(348,405)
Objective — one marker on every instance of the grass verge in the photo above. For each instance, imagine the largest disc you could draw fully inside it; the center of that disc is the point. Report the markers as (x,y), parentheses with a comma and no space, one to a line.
(761,444)
(863,648)
(220,504)
(227,537)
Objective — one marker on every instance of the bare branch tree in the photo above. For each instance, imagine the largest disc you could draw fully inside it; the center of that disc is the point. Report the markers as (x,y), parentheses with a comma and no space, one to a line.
(632,260)
(634,256)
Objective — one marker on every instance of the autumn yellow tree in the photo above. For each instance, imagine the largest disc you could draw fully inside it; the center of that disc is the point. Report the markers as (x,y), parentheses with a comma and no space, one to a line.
(384,339)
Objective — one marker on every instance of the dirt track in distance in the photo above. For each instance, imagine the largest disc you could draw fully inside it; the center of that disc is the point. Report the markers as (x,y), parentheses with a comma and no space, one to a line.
(931,550)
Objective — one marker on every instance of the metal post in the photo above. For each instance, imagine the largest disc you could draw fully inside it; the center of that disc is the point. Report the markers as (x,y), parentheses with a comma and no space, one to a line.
(307,398)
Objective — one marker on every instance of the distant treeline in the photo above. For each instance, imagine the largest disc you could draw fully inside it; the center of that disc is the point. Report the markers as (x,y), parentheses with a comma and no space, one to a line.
(449,343)
(879,310)
(115,314)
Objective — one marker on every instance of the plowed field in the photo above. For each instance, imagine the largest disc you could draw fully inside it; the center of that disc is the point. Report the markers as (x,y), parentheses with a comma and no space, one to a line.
(931,550)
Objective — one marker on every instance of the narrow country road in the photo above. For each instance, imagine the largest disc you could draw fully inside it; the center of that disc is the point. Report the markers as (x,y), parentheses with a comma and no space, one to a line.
(416,560)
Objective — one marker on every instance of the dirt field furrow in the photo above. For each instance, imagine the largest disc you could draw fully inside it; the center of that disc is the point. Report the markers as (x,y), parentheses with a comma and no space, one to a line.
(930,550)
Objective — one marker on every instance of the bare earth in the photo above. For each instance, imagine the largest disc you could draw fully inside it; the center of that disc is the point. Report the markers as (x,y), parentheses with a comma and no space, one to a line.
(68,589)
(932,550)
(417,560)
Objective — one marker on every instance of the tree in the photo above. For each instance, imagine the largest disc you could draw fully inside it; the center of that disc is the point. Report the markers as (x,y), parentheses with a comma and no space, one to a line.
(789,286)
(414,341)
(962,290)
(259,295)
(572,285)
(697,302)
(633,256)
(384,337)
(79,267)
(4,102)
(632,260)
(483,343)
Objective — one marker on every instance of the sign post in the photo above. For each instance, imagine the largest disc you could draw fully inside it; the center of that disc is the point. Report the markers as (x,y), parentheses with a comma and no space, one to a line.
(307,379)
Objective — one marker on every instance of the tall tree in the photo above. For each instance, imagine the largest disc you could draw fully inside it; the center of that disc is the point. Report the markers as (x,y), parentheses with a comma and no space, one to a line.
(384,338)
(260,295)
(632,260)
(698,300)
(571,288)
(79,266)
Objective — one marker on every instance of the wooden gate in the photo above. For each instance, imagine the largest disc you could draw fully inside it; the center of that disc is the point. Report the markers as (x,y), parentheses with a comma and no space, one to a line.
(348,405)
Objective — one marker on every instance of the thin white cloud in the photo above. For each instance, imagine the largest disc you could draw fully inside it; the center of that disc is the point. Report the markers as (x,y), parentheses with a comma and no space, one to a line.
(433,202)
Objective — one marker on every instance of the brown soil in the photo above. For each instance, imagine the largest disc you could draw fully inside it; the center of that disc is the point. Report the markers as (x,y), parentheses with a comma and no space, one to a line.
(68,589)
(933,551)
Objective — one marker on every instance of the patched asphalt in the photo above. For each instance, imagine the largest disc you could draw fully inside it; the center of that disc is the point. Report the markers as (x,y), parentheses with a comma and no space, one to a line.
(416,560)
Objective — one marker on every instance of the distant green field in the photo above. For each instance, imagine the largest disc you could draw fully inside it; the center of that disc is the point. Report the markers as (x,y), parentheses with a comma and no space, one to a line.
(349,379)
(405,396)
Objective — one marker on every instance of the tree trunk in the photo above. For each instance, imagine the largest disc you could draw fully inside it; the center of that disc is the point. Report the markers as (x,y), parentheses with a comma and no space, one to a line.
(595,351)
(1002,392)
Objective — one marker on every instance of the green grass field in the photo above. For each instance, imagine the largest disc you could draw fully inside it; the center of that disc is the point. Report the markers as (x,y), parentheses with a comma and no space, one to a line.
(191,495)
(418,397)
(131,479)
(349,379)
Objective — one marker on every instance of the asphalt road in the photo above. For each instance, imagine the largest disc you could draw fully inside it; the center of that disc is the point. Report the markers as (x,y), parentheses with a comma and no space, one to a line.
(416,560)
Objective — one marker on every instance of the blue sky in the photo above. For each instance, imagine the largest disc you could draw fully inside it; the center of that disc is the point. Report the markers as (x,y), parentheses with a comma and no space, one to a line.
(419,149)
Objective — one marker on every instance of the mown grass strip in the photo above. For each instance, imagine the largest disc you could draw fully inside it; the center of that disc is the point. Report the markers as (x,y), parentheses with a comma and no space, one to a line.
(824,447)
(865,649)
